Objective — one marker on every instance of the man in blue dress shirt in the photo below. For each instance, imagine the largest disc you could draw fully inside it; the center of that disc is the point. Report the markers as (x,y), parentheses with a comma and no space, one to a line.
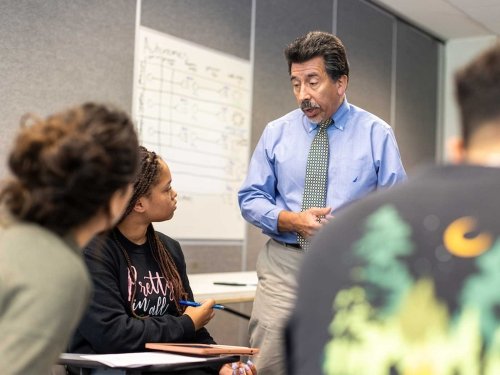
(363,157)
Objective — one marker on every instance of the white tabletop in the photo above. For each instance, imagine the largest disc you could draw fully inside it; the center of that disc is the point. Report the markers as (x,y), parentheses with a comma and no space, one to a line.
(203,286)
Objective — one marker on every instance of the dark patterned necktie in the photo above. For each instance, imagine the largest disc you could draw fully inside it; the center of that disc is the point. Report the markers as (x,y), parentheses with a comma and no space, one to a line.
(316,174)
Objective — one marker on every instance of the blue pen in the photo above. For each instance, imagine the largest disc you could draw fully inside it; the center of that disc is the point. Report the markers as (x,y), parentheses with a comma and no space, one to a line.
(196,304)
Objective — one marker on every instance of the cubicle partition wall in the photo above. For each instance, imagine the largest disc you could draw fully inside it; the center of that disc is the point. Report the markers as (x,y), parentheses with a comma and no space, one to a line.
(58,53)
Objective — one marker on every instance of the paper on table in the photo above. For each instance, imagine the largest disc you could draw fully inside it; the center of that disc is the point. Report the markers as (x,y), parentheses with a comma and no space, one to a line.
(141,359)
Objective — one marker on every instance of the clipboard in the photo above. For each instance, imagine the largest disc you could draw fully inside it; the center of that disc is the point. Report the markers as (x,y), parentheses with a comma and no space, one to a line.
(201,349)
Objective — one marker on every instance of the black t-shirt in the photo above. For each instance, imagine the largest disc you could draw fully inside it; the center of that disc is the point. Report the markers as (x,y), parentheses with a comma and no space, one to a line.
(152,292)
(405,281)
(108,325)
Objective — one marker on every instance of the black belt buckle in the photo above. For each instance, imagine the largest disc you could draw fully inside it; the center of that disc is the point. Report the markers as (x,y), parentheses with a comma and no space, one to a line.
(294,245)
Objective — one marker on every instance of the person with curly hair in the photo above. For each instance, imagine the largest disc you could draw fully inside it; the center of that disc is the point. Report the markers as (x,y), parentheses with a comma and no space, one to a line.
(71,179)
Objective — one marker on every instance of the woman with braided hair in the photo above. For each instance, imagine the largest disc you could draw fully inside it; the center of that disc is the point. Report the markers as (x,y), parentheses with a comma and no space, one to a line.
(140,276)
(72,175)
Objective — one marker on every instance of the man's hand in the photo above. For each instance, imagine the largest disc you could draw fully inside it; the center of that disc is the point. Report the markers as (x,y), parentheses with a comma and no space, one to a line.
(305,223)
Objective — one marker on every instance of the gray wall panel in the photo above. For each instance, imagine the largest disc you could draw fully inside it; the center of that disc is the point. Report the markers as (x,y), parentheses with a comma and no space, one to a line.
(416,96)
(367,35)
(223,25)
(59,53)
(278,23)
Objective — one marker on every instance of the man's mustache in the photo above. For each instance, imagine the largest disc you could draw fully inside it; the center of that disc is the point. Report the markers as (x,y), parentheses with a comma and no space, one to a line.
(308,104)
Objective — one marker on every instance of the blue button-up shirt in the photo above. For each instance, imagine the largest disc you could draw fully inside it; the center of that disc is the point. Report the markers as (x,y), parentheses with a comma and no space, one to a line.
(364,156)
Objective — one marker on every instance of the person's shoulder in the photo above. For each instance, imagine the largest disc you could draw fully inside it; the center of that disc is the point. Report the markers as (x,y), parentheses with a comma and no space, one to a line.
(171,243)
(285,120)
(368,119)
(32,246)
(350,219)
(173,247)
(29,245)
(285,126)
(101,246)
(164,238)
(20,227)
(22,235)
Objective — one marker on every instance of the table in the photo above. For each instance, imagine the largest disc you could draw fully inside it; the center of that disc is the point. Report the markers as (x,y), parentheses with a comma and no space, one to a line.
(86,365)
(203,286)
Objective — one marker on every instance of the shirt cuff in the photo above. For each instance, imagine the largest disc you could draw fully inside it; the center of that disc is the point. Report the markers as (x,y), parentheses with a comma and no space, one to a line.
(270,221)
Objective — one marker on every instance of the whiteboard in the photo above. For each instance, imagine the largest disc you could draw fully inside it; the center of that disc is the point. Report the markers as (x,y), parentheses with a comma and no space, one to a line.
(192,106)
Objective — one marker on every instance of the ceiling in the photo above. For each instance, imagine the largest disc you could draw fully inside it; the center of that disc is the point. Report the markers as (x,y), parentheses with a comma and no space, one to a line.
(449,19)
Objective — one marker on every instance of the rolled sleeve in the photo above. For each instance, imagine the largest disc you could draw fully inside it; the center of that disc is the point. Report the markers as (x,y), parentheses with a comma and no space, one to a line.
(257,195)
(388,160)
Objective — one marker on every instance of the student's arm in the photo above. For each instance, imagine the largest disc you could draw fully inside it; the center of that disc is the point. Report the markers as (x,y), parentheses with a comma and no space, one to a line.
(202,335)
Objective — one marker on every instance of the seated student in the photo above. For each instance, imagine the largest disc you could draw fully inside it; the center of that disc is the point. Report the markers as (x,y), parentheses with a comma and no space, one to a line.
(406,282)
(140,276)
(72,175)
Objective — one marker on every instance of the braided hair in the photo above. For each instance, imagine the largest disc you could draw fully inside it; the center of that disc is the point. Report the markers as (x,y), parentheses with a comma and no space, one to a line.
(147,178)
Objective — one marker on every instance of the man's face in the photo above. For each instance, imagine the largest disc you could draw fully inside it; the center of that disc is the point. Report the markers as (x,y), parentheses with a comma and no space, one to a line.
(317,94)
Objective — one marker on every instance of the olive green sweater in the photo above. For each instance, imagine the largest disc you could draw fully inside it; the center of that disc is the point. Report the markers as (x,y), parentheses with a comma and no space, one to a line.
(44,289)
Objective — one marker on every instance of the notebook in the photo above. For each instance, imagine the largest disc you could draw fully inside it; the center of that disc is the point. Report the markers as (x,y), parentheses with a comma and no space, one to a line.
(201,349)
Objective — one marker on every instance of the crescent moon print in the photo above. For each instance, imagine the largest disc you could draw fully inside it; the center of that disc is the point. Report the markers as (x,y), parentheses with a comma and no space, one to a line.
(455,241)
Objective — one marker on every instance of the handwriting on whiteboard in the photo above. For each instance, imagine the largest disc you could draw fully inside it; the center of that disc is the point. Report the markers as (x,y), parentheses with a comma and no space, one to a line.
(192,106)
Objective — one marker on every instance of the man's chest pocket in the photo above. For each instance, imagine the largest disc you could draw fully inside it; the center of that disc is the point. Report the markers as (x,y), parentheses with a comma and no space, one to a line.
(352,179)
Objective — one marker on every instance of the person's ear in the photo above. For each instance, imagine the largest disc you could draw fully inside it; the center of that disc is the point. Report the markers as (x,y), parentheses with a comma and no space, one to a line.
(342,85)
(140,205)
(456,150)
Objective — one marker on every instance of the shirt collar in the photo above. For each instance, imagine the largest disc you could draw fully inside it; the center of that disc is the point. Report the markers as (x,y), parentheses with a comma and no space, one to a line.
(339,118)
